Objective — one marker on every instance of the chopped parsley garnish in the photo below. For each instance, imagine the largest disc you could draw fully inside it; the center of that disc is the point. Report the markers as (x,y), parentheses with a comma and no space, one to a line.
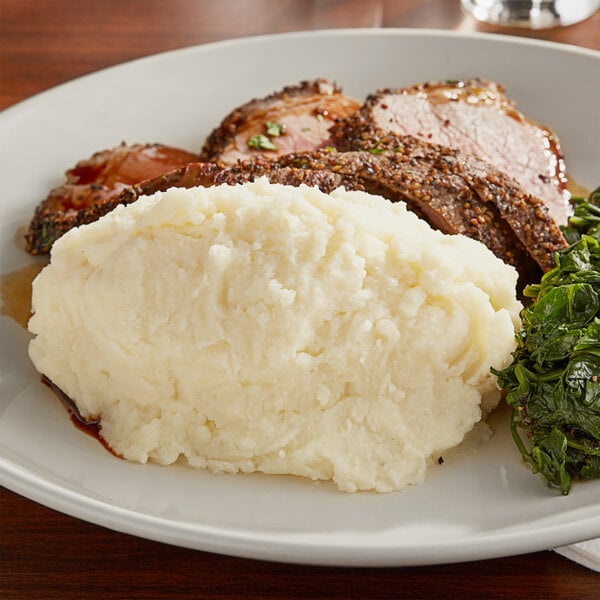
(274,129)
(261,142)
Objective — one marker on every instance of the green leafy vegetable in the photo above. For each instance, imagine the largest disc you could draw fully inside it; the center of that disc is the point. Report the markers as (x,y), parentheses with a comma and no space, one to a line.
(553,383)
(586,218)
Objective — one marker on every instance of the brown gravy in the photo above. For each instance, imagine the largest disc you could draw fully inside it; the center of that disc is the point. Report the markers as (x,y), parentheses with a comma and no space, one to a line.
(15,293)
(91,428)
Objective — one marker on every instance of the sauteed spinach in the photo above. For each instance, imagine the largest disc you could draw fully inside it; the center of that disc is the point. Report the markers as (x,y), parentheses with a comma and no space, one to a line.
(553,383)
(585,219)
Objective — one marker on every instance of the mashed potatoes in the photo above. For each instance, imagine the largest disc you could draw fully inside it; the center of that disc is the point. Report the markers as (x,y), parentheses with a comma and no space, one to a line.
(275,329)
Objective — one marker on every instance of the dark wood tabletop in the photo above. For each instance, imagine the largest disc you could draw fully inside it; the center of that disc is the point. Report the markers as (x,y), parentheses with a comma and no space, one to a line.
(45,554)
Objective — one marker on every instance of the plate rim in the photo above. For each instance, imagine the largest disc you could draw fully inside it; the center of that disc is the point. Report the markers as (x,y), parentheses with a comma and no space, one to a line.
(262,546)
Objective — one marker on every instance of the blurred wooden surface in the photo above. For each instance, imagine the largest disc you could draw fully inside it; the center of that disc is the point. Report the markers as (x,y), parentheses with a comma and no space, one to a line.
(46,42)
(45,554)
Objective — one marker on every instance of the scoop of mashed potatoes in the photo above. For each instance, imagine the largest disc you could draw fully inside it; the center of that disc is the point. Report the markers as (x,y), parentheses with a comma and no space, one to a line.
(278,329)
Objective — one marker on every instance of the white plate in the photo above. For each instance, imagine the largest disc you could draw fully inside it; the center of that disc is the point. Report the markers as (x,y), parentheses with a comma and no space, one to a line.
(476,505)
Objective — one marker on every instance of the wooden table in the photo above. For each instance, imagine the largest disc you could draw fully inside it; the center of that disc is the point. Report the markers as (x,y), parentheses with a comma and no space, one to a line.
(46,554)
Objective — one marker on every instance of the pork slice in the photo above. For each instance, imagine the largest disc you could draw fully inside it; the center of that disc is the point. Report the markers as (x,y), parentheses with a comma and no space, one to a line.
(442,199)
(432,191)
(476,117)
(210,174)
(456,193)
(294,119)
(48,225)
(94,182)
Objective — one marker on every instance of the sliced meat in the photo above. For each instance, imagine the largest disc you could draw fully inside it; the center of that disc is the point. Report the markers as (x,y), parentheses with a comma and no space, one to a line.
(94,182)
(455,192)
(209,174)
(476,117)
(47,226)
(295,119)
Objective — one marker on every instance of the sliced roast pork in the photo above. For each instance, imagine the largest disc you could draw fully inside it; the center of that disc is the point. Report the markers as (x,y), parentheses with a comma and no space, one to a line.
(294,119)
(95,182)
(57,214)
(476,117)
(455,192)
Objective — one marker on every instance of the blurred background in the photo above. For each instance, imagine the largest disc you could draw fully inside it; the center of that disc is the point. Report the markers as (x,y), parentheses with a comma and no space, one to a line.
(65,35)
